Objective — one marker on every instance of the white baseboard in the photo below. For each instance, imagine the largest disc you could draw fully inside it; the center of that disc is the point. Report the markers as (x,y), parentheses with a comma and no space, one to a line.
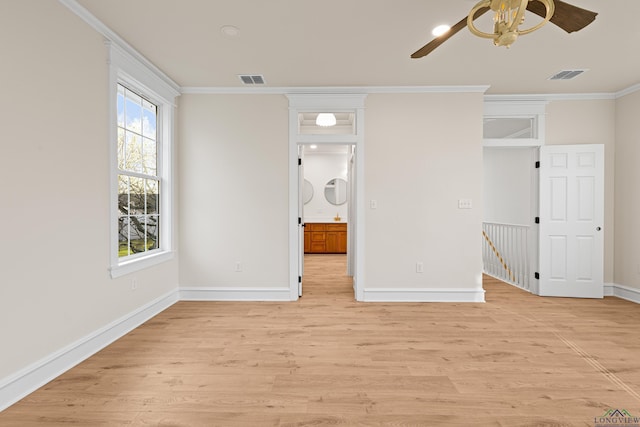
(608,289)
(194,293)
(423,295)
(29,379)
(625,292)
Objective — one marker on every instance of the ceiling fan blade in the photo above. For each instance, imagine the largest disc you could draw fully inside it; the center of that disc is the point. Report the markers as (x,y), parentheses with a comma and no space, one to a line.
(569,18)
(429,47)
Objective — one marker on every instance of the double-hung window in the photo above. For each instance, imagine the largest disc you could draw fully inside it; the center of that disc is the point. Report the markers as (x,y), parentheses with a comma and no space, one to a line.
(139,180)
(142,104)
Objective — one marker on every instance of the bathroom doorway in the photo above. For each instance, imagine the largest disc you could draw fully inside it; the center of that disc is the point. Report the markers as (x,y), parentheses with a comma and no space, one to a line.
(327,183)
(344,125)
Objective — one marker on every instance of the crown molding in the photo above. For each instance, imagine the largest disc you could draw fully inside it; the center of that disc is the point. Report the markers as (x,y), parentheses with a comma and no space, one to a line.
(115,39)
(283,90)
(324,90)
(548,97)
(628,91)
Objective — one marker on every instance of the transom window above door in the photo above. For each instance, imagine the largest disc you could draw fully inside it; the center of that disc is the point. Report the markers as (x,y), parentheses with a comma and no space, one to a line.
(327,123)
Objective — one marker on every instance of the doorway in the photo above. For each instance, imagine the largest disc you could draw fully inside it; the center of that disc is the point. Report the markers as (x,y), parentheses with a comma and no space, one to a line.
(347,129)
(326,177)
(543,218)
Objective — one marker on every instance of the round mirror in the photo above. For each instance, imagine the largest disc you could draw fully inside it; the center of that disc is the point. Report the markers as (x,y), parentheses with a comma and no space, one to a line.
(307,192)
(335,191)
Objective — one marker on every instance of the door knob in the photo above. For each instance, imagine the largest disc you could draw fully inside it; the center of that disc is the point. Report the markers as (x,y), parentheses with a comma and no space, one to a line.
(598,228)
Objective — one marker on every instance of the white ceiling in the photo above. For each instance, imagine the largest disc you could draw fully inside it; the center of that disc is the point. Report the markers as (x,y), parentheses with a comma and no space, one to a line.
(300,43)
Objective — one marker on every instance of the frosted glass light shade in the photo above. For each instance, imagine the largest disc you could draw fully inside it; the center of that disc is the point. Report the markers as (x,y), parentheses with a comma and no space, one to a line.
(326,119)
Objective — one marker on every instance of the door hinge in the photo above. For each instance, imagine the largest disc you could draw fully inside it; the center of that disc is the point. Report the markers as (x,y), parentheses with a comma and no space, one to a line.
(537,275)
(299,221)
(537,165)
(299,161)
(299,279)
(537,220)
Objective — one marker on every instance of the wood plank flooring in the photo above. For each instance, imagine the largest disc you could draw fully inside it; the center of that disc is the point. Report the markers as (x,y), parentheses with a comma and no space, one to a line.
(516,360)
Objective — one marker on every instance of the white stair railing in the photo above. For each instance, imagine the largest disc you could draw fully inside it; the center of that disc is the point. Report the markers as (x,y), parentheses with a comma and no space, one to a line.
(505,253)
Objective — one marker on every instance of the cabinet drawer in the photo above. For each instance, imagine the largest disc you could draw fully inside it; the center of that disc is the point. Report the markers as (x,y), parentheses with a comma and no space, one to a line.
(313,226)
(337,227)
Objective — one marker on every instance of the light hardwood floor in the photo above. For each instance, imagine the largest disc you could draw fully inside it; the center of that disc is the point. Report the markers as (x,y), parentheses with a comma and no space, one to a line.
(516,360)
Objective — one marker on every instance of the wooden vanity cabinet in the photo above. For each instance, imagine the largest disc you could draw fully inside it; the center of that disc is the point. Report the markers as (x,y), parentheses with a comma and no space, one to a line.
(325,238)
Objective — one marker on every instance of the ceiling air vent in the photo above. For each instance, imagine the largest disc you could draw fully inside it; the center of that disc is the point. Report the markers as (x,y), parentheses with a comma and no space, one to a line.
(252,79)
(566,74)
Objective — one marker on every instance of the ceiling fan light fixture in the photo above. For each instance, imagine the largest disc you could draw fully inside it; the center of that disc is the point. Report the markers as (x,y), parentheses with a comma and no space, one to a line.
(326,119)
(508,16)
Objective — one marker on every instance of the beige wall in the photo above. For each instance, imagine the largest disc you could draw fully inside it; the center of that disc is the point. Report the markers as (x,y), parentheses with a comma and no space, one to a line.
(54,180)
(590,122)
(423,152)
(419,160)
(234,197)
(627,200)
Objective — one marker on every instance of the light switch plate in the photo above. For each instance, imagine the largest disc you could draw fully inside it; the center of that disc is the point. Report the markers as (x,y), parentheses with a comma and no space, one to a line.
(465,204)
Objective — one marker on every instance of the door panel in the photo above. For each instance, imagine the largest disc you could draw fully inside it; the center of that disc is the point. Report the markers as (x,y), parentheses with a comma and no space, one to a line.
(571,219)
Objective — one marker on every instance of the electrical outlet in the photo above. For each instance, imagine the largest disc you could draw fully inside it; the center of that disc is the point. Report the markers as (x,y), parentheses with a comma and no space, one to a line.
(238,266)
(134,284)
(373,204)
(419,267)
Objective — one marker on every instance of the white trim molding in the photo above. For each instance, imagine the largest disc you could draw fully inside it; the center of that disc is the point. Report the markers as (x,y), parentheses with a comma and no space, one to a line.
(327,102)
(140,263)
(194,293)
(34,376)
(126,69)
(549,97)
(607,289)
(424,295)
(627,91)
(623,292)
(112,36)
(324,90)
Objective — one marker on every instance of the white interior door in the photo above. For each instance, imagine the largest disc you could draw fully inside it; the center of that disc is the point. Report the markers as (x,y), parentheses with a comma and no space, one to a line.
(300,217)
(571,250)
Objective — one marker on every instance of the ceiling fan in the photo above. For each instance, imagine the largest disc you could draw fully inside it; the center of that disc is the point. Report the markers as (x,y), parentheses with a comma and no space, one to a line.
(509,14)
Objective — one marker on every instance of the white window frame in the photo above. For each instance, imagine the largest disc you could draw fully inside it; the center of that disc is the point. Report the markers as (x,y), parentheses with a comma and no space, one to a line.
(128,71)
(499,108)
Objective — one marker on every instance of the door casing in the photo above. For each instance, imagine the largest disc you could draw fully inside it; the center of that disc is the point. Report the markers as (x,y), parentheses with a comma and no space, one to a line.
(300,103)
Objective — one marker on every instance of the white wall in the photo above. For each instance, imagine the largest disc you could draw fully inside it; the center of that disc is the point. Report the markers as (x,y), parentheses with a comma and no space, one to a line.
(233,156)
(590,122)
(507,185)
(627,196)
(319,168)
(423,153)
(54,179)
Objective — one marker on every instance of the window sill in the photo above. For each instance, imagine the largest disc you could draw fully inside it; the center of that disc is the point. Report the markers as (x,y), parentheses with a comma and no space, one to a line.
(140,263)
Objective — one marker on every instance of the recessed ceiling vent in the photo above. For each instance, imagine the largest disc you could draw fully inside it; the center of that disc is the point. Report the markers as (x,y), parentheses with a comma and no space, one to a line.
(252,79)
(566,74)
